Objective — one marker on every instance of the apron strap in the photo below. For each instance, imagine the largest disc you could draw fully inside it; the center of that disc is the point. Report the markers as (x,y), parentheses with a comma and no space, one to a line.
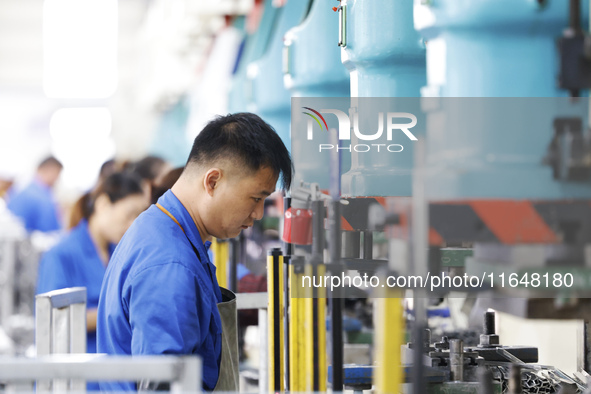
(169,215)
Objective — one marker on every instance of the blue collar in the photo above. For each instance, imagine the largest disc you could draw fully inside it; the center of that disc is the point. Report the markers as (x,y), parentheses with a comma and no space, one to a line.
(177,209)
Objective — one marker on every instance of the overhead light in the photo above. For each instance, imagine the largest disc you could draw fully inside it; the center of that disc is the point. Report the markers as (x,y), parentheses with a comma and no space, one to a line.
(80,123)
(82,142)
(80,48)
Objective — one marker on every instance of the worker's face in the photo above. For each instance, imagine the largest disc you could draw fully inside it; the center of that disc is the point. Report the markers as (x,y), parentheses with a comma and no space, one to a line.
(115,218)
(237,201)
(50,174)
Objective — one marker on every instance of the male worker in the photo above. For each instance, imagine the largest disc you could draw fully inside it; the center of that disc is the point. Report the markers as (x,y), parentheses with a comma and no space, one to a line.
(160,294)
(35,204)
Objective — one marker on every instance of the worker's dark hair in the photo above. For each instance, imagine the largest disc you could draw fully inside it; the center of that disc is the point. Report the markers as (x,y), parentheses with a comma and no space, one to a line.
(107,168)
(116,186)
(148,168)
(246,137)
(50,161)
(167,182)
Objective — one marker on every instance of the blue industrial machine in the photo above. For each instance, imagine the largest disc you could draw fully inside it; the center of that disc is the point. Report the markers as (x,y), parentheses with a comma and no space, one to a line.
(313,68)
(386,60)
(506,164)
(254,47)
(270,99)
(483,148)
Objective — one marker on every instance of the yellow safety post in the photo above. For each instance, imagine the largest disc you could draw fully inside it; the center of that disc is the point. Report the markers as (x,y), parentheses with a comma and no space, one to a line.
(309,367)
(315,376)
(297,362)
(389,336)
(321,373)
(275,315)
(221,254)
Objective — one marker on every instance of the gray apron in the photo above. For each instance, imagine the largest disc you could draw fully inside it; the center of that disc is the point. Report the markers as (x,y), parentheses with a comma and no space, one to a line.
(228,378)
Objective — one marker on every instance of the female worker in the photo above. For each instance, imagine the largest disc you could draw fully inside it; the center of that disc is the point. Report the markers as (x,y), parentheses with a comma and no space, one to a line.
(81,258)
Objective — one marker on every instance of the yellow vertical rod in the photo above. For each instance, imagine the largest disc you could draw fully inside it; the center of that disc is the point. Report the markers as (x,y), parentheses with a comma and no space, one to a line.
(221,253)
(321,348)
(295,331)
(275,316)
(308,332)
(389,336)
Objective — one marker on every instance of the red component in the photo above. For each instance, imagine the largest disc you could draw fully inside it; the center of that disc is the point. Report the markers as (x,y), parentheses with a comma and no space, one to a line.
(335,9)
(297,226)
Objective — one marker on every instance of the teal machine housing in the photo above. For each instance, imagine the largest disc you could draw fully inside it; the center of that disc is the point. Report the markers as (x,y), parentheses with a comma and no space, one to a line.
(504,53)
(270,99)
(312,68)
(494,112)
(254,47)
(385,57)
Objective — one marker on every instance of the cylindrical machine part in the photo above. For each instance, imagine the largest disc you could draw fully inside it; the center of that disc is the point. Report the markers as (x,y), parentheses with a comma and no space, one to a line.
(489,323)
(515,380)
(427,339)
(456,359)
(317,231)
(367,245)
(275,286)
(351,244)
(485,378)
(336,303)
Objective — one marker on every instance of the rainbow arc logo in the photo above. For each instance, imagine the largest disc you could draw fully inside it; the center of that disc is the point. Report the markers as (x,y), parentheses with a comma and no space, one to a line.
(315,118)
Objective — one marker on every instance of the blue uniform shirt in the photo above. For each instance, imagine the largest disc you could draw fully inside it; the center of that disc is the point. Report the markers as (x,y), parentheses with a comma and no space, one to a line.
(36,207)
(160,293)
(74,261)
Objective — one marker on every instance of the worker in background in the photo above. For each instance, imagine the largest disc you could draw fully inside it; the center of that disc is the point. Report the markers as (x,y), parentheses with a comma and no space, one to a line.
(151,169)
(160,294)
(165,183)
(81,257)
(6,182)
(35,205)
(108,168)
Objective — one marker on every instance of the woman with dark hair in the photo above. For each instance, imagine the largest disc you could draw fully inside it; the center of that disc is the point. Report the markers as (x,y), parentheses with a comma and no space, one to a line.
(81,258)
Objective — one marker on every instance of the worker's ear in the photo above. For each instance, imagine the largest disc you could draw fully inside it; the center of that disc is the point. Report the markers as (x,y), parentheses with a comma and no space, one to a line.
(101,203)
(211,180)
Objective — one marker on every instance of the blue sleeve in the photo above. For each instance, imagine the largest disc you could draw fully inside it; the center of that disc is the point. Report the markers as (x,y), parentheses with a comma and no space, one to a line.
(163,311)
(21,206)
(47,219)
(53,272)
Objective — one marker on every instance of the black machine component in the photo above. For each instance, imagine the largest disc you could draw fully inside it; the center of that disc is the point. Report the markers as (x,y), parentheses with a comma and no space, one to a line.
(569,153)
(490,343)
(575,54)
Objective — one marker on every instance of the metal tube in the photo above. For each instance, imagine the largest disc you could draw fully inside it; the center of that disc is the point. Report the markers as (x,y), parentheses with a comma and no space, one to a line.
(515,380)
(287,317)
(317,231)
(367,245)
(7,280)
(456,359)
(275,288)
(419,234)
(485,378)
(336,301)
(351,244)
(264,349)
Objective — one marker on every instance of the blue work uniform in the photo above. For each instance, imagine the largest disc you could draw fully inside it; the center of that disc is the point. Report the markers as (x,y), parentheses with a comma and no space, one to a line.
(74,261)
(36,206)
(160,293)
